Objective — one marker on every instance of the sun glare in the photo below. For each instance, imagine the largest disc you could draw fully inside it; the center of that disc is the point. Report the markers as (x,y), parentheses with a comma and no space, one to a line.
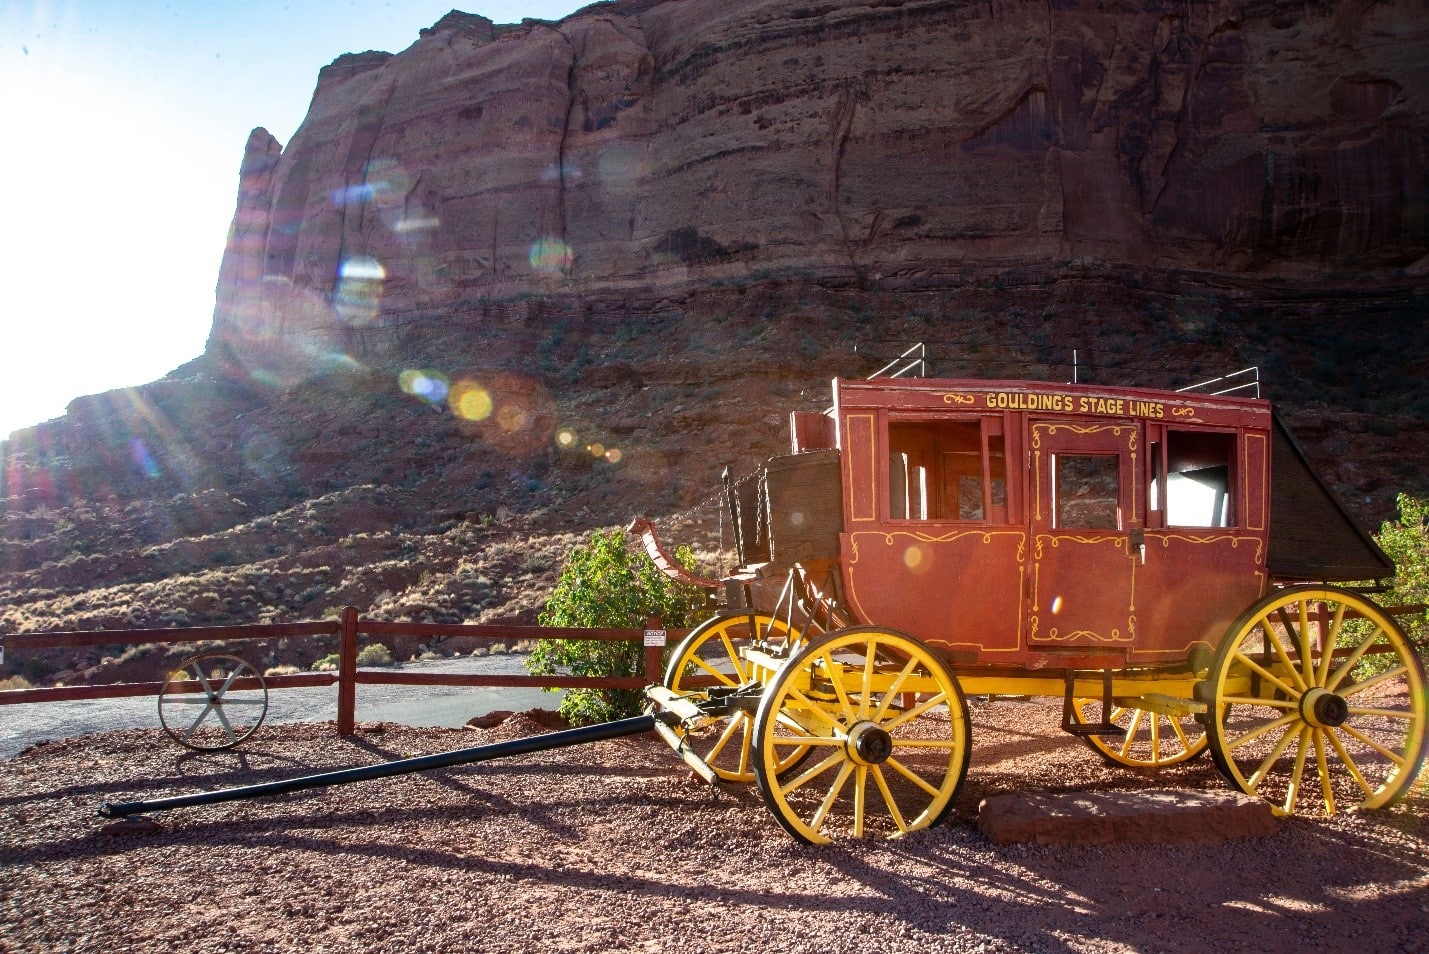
(97,292)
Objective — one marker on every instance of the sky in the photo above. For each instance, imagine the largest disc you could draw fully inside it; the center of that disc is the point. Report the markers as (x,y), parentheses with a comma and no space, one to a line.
(122,125)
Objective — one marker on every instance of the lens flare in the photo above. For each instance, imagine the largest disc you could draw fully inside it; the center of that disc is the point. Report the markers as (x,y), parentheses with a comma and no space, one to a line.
(350,195)
(143,459)
(417,220)
(362,268)
(358,296)
(596,449)
(1056,605)
(389,183)
(551,255)
(917,558)
(613,455)
(470,401)
(566,437)
(430,386)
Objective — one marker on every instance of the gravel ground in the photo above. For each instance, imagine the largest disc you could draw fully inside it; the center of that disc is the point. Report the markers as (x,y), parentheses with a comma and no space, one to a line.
(613,847)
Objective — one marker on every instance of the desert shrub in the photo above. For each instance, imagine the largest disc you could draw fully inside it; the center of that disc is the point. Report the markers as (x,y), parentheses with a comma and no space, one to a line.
(327,663)
(375,654)
(15,682)
(606,583)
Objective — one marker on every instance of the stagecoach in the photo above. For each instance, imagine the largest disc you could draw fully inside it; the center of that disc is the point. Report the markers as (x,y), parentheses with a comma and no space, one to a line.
(1166,563)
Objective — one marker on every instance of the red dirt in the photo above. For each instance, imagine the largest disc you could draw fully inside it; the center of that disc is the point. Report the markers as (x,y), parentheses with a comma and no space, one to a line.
(611,846)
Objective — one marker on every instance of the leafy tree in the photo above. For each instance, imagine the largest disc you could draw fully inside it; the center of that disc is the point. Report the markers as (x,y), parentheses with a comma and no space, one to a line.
(1406,540)
(607,583)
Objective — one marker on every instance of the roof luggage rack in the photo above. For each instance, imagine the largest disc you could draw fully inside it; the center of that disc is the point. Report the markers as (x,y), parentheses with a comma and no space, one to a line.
(1248,378)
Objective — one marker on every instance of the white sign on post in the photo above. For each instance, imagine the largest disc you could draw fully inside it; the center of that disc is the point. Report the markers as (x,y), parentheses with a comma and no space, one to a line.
(654,637)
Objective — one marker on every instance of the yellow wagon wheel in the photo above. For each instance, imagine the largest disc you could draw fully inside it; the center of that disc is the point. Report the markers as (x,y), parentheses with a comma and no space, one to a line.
(1317,703)
(710,657)
(886,726)
(1152,740)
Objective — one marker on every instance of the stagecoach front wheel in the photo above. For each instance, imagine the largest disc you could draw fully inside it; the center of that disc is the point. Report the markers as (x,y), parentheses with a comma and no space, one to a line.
(1152,739)
(1317,703)
(710,658)
(885,728)
(212,701)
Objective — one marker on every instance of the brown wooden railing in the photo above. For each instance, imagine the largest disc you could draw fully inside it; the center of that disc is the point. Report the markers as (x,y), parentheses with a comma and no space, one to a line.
(348,677)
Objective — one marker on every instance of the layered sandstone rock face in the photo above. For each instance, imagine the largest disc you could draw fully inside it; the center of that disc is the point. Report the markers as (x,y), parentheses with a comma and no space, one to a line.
(642,147)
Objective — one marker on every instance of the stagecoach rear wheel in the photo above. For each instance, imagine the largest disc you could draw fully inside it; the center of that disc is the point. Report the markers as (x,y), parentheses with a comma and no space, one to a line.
(885,726)
(1152,740)
(709,657)
(1318,703)
(212,701)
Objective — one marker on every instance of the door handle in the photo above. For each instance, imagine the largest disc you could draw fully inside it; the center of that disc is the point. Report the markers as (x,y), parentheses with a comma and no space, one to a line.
(1138,540)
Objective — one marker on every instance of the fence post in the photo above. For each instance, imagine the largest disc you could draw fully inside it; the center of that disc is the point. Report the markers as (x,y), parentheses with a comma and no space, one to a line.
(347,673)
(654,646)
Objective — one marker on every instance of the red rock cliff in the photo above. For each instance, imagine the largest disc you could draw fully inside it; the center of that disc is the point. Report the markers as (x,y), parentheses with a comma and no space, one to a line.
(643,146)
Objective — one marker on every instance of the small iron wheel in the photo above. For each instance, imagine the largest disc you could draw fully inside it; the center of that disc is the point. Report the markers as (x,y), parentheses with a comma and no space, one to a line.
(886,728)
(1318,703)
(1152,740)
(710,657)
(212,701)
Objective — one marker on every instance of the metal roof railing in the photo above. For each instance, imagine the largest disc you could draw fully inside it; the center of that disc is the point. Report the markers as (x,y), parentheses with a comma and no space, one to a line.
(1252,385)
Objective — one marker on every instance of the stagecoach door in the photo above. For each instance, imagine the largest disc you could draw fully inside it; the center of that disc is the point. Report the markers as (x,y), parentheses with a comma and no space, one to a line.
(1087,534)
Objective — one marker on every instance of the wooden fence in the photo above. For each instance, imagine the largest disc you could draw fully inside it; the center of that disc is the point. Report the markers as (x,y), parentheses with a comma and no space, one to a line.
(348,677)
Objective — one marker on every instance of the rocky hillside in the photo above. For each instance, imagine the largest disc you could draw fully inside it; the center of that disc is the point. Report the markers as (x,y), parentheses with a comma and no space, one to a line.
(518,281)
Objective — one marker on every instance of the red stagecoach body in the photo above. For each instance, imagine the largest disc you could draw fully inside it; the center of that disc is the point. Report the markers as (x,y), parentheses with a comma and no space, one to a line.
(1035,525)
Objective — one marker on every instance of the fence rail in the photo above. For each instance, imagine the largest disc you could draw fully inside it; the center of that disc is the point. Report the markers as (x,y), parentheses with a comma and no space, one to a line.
(348,677)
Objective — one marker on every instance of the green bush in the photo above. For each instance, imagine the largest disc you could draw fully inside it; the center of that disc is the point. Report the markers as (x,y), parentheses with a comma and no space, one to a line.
(607,583)
(374,655)
(1406,540)
(326,664)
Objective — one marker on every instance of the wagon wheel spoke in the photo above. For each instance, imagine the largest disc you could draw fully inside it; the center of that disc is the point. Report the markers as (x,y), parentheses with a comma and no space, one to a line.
(1351,661)
(1302,748)
(809,774)
(1268,762)
(894,690)
(731,727)
(1274,642)
(834,672)
(1322,765)
(1266,674)
(1327,649)
(1359,705)
(889,801)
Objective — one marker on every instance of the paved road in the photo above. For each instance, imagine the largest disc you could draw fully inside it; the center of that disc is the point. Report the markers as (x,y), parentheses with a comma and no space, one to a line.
(24,725)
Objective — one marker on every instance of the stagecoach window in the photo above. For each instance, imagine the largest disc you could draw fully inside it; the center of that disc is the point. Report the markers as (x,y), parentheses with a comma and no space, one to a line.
(1199,477)
(1087,489)
(947,470)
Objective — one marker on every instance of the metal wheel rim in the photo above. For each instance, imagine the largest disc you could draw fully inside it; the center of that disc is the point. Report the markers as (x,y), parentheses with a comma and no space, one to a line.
(215,714)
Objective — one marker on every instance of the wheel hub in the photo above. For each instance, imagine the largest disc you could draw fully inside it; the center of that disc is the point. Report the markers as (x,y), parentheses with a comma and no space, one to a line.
(1323,709)
(868,744)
